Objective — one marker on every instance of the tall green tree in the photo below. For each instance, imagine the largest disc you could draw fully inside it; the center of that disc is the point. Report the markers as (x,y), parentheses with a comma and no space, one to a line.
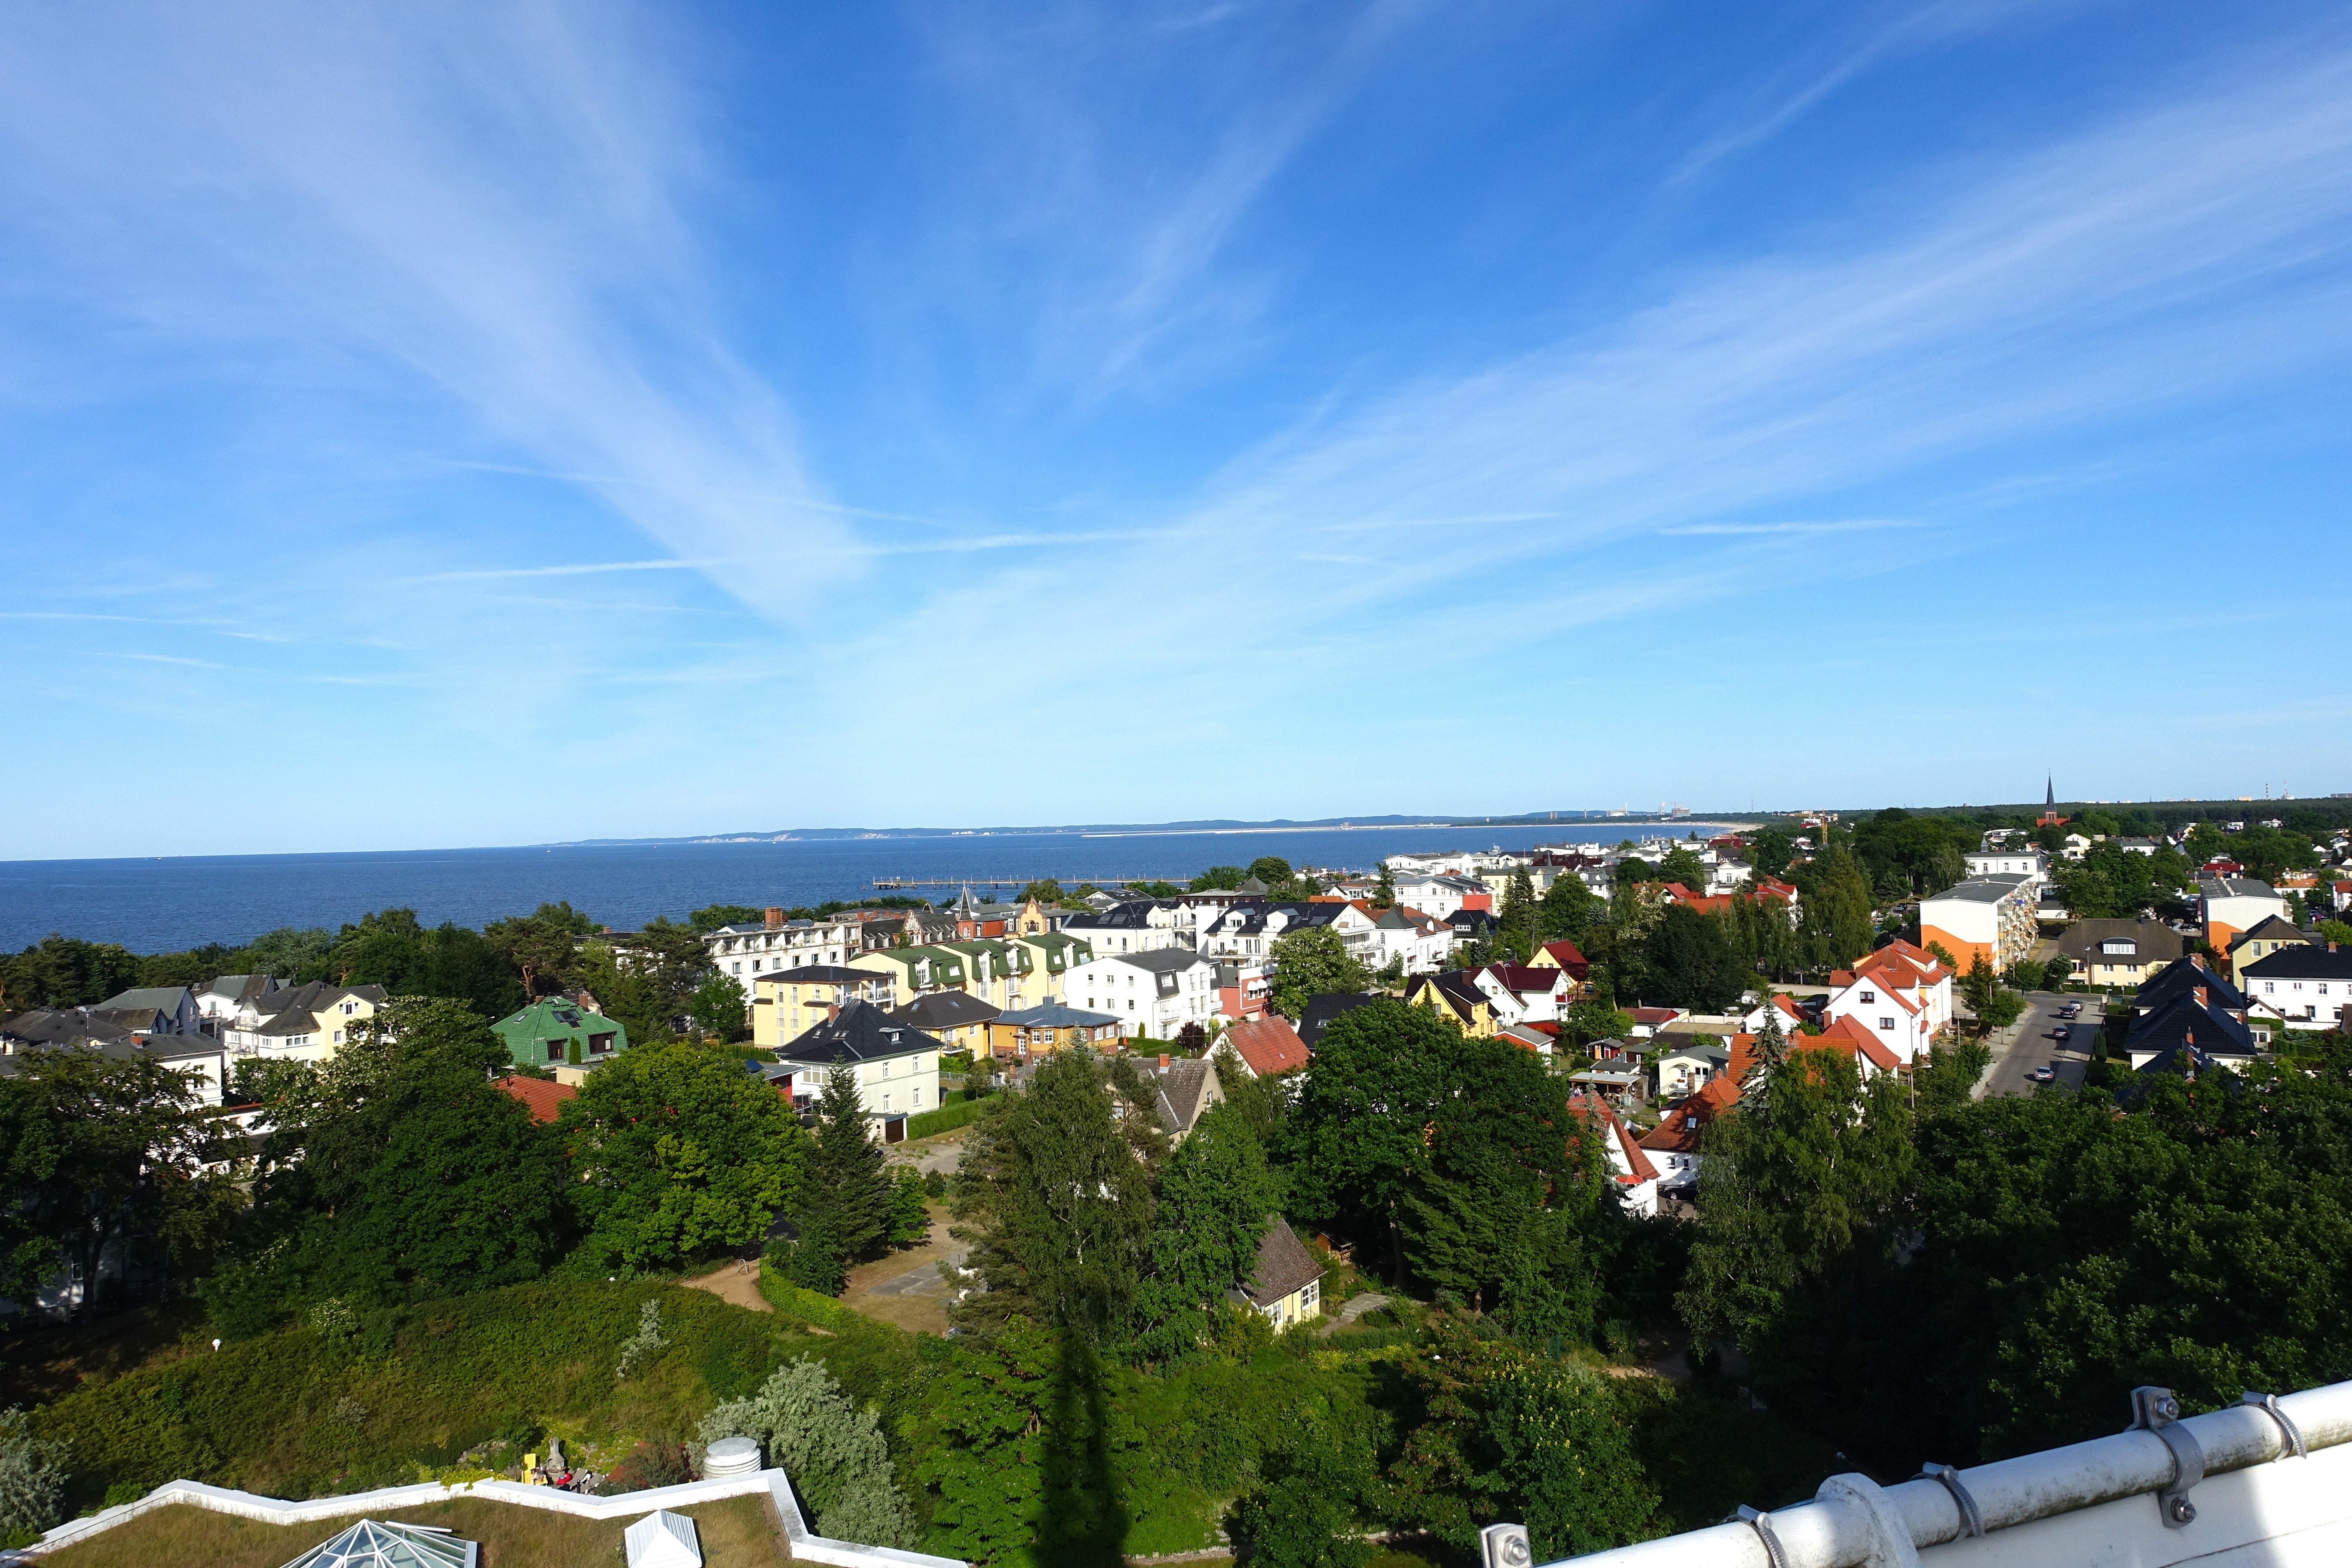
(719,1007)
(107,1155)
(1837,926)
(676,1152)
(1271,869)
(1569,909)
(1216,1196)
(1517,924)
(398,1170)
(1691,961)
(1384,890)
(1056,1207)
(541,945)
(1311,961)
(392,949)
(844,1206)
(65,972)
(1792,1186)
(1353,1144)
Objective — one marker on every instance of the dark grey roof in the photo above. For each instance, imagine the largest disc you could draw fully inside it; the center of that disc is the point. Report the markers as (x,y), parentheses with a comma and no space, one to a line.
(1321,1010)
(166,999)
(861,1031)
(240,987)
(2235,887)
(945,1010)
(821,974)
(2315,962)
(1186,1089)
(2180,978)
(2154,941)
(1991,889)
(1135,914)
(61,1027)
(1159,960)
(1284,1265)
(2181,1021)
(2270,928)
(1054,1016)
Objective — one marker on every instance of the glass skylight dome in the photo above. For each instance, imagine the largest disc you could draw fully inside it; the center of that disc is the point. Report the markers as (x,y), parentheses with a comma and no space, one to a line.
(373,1543)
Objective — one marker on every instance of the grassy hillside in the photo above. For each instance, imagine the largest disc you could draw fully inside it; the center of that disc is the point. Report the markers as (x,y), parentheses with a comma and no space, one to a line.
(301,1413)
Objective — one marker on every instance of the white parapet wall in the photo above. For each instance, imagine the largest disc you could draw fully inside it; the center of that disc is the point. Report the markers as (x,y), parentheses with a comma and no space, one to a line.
(804,1545)
(2254,1503)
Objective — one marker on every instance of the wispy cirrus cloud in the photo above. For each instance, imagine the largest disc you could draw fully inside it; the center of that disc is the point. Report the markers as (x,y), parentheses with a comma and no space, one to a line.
(499,200)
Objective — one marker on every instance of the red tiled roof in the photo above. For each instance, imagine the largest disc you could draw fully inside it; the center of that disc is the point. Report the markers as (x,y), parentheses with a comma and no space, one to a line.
(1270,1045)
(1569,957)
(1677,1132)
(1856,1040)
(1519,977)
(543,1097)
(1655,1014)
(1637,1163)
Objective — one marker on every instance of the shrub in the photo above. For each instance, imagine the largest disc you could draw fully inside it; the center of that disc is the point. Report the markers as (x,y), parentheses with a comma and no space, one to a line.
(946,1119)
(657,1462)
(833,1450)
(32,1479)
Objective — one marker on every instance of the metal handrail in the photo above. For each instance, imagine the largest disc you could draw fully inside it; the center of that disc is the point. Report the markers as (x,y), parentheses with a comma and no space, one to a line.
(1851,1520)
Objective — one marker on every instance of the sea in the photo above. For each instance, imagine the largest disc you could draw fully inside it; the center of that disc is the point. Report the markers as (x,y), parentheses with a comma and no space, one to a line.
(170,904)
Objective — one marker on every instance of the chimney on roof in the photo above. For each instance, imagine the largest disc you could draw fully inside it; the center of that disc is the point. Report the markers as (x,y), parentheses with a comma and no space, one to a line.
(775,917)
(2197,959)
(2204,998)
(1163,1061)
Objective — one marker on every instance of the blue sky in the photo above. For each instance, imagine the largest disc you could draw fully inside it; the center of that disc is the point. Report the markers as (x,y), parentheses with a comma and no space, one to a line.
(443,424)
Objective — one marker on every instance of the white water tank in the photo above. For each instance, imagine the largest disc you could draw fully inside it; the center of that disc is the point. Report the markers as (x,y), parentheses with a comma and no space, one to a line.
(730,1456)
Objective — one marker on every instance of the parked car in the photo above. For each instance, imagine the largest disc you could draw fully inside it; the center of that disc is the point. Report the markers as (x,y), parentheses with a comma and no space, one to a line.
(2070,1010)
(2046,1073)
(2059,1032)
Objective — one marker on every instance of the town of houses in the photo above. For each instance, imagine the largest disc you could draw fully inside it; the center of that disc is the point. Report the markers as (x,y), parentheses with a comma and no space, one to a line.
(904,994)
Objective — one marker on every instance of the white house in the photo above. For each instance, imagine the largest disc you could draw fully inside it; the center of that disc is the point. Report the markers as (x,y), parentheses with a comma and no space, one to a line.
(2025,861)
(2309,985)
(1139,925)
(1153,993)
(1631,1171)
(1902,995)
(1422,941)
(743,953)
(1516,995)
(897,1065)
(1443,894)
(2231,905)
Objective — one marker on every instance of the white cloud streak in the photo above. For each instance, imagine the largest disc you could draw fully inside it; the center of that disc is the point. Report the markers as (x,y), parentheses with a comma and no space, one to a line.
(495,199)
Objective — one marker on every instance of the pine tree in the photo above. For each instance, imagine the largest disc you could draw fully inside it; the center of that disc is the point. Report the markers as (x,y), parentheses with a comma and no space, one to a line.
(845,1204)
(1772,1051)
(1215,1197)
(1384,893)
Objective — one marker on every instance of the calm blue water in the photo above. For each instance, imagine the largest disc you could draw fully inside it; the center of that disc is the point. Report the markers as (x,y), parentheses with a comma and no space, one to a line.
(166,905)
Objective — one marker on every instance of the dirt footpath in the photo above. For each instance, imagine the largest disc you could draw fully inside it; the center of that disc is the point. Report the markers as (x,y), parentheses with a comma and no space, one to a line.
(906,1289)
(731,1282)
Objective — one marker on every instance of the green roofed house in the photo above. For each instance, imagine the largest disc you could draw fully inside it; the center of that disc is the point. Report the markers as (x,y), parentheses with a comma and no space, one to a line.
(559,1033)
(374,1543)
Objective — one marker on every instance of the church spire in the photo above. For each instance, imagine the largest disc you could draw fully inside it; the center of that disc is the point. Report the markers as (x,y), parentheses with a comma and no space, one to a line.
(2050,792)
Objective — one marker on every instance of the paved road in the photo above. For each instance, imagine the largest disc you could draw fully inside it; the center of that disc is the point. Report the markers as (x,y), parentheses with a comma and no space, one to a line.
(2031,1046)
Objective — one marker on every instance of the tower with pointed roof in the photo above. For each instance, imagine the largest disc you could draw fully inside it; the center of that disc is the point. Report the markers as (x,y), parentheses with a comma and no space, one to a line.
(2050,818)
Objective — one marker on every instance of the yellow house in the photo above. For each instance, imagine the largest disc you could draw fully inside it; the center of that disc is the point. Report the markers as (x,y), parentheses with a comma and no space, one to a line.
(916,970)
(1452,995)
(1001,973)
(2264,939)
(1052,956)
(788,1003)
(1287,1283)
(1043,1030)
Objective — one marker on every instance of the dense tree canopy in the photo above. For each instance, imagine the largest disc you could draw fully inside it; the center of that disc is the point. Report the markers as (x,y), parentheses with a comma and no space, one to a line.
(398,1170)
(1312,962)
(676,1152)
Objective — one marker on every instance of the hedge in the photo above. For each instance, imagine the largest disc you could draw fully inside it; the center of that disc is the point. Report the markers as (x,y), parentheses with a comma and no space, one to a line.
(946,1119)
